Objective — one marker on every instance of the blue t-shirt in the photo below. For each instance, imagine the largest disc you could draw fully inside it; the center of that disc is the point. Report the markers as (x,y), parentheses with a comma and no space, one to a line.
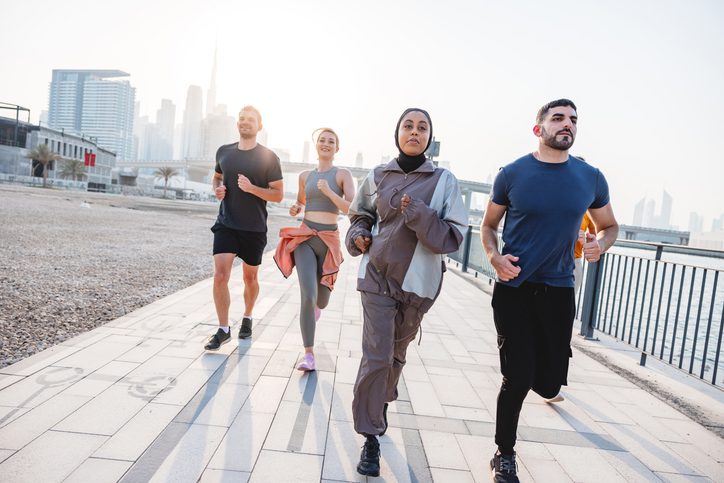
(546,202)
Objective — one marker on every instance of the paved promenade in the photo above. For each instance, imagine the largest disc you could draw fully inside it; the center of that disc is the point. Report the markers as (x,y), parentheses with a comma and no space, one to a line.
(138,400)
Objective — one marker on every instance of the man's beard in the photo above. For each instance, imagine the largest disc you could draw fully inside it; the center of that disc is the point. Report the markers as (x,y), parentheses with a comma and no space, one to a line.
(247,136)
(553,142)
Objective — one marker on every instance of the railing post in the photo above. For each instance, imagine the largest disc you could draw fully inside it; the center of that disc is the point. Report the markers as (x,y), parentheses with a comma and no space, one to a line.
(590,297)
(466,247)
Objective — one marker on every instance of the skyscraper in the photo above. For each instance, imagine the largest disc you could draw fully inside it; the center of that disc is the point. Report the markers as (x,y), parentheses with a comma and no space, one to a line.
(165,119)
(219,128)
(86,102)
(665,216)
(638,217)
(211,93)
(192,131)
(649,217)
(305,152)
(696,222)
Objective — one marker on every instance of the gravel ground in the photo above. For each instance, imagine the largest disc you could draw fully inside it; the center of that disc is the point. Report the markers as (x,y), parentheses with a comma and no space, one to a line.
(71,261)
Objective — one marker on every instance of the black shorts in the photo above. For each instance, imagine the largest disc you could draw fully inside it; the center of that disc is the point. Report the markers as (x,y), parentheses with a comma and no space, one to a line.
(534,324)
(247,245)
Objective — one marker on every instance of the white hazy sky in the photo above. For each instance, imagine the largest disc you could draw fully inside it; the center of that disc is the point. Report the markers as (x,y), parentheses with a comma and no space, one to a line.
(647,76)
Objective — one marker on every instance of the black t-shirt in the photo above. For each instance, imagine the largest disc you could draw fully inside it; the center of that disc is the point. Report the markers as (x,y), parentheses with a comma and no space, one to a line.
(240,210)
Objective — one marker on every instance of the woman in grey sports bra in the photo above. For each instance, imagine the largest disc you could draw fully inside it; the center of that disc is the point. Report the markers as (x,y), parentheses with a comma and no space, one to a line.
(323,194)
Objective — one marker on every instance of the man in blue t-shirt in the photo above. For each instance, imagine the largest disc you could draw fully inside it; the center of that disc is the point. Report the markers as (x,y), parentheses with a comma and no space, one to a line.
(247,175)
(543,196)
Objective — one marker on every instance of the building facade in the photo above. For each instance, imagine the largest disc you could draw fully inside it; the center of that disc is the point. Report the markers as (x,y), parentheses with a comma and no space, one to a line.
(95,105)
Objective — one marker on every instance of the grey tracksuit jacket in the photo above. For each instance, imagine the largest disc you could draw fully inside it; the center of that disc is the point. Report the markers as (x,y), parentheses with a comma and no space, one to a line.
(405,259)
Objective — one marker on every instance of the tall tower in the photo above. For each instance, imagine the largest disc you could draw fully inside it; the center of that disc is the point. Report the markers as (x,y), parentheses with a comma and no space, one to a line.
(305,152)
(192,143)
(666,202)
(165,119)
(211,93)
(638,218)
(86,101)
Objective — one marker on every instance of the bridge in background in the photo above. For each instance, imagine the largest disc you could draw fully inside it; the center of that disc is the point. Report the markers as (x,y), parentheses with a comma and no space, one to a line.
(199,169)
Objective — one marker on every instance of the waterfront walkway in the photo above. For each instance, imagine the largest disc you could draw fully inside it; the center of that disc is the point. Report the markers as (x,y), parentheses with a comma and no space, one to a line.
(139,400)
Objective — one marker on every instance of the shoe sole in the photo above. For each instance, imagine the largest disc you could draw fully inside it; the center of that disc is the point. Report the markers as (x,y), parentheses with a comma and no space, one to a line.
(222,343)
(368,473)
(556,399)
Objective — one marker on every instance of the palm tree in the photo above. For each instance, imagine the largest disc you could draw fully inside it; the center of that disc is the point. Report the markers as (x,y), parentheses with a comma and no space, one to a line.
(42,154)
(73,168)
(166,173)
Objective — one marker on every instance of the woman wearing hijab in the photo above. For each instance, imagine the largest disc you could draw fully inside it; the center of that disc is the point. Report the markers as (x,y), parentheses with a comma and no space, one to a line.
(314,246)
(405,216)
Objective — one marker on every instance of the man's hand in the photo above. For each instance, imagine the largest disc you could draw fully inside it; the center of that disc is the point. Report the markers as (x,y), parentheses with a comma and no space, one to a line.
(244,184)
(404,202)
(220,192)
(503,265)
(591,248)
(363,243)
(295,209)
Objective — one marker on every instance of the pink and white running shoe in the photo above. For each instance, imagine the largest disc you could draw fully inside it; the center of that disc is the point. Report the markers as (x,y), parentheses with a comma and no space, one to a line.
(307,363)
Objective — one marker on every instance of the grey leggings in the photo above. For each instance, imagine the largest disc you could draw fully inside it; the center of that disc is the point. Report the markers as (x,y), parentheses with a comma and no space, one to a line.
(308,258)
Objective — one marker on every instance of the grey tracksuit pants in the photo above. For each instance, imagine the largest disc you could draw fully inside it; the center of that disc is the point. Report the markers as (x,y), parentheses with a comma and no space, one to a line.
(389,327)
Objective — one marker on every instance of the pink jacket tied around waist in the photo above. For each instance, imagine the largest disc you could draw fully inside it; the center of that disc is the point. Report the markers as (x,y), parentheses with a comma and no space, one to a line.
(290,238)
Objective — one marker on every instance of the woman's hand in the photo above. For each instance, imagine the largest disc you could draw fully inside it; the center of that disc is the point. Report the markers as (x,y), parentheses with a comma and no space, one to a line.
(324,188)
(363,243)
(295,209)
(404,202)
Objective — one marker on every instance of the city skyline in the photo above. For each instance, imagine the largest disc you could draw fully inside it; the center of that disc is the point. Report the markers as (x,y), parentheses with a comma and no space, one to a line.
(643,75)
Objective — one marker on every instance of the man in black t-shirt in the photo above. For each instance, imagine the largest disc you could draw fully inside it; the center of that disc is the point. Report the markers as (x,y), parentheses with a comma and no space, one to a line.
(247,175)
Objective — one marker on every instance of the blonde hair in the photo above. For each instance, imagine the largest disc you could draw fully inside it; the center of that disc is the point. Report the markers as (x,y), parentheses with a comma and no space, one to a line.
(318,132)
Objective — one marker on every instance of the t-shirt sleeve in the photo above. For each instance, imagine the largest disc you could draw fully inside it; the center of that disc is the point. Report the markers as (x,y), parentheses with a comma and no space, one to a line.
(602,198)
(217,168)
(274,173)
(499,195)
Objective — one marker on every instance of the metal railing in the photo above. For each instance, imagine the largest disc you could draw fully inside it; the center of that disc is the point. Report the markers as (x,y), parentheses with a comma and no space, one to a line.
(666,300)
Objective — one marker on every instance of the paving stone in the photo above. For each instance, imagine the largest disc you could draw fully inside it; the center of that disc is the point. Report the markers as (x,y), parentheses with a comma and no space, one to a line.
(51,457)
(290,467)
(41,386)
(584,464)
(104,414)
(442,450)
(99,471)
(452,476)
(129,442)
(191,454)
(241,445)
(215,404)
(37,421)
(224,476)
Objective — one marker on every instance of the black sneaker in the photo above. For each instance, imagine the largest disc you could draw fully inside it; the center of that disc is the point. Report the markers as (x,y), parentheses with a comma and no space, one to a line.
(245,330)
(369,460)
(217,340)
(384,415)
(504,469)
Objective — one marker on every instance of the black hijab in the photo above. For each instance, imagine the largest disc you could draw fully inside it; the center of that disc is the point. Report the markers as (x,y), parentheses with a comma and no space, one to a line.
(411,163)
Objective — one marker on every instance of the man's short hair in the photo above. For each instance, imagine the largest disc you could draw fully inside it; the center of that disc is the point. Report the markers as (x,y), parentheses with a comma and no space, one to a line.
(252,109)
(557,103)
